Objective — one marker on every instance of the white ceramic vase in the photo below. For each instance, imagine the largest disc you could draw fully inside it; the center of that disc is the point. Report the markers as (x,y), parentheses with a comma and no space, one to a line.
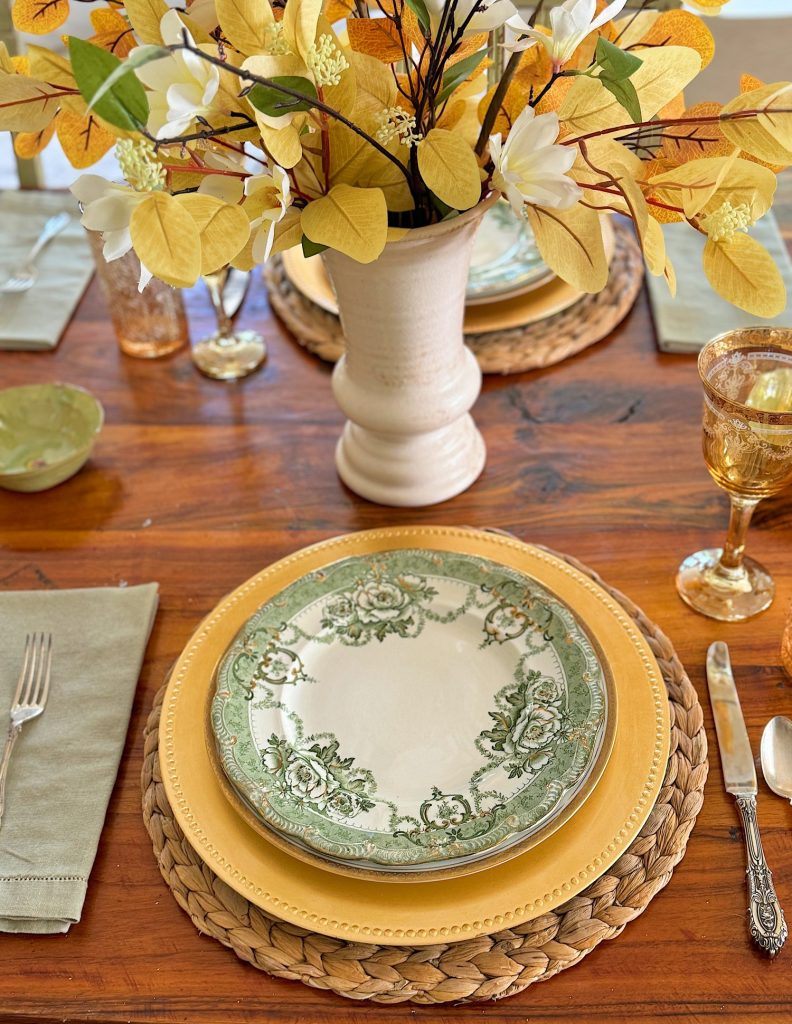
(407,381)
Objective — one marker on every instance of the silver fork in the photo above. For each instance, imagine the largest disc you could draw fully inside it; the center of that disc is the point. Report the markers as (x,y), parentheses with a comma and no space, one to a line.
(30,698)
(23,276)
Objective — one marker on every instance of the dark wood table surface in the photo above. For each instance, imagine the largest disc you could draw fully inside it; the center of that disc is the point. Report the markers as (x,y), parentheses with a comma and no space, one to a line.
(199,484)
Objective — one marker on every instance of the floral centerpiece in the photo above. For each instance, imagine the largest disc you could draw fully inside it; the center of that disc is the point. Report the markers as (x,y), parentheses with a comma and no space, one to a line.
(369,128)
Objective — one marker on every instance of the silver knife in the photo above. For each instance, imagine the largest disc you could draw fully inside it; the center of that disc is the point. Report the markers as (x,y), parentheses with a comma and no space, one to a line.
(765,916)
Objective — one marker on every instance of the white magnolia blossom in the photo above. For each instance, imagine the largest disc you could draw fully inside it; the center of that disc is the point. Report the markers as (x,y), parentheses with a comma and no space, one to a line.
(108,208)
(182,85)
(228,187)
(530,167)
(491,14)
(569,25)
(277,198)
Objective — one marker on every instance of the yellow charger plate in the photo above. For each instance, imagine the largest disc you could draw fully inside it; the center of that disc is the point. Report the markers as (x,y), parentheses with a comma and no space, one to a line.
(503,896)
(310,278)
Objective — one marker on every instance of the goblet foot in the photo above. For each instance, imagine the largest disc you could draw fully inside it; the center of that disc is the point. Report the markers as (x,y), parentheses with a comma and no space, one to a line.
(230,357)
(729,595)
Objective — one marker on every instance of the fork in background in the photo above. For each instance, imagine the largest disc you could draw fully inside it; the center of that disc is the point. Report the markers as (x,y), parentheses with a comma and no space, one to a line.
(25,274)
(30,698)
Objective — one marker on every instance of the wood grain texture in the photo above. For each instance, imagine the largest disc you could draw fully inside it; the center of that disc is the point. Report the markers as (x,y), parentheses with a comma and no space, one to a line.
(198,484)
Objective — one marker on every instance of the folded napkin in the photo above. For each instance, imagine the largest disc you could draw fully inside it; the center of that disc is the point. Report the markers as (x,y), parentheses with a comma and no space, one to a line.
(686,323)
(64,763)
(65,268)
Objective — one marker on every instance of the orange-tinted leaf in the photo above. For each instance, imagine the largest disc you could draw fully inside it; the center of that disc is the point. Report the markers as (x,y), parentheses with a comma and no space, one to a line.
(750,82)
(377,37)
(39,16)
(554,98)
(113,32)
(469,45)
(30,144)
(673,109)
(337,10)
(688,142)
(83,139)
(411,28)
(681,28)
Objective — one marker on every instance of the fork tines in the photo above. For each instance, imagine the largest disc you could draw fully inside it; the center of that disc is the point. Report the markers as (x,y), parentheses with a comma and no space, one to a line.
(34,679)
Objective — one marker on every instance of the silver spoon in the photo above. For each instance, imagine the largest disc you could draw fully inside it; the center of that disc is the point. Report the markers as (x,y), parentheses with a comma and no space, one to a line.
(777,756)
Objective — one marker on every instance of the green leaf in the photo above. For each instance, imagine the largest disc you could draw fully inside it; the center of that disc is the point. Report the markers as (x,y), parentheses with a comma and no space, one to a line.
(137,58)
(418,7)
(460,72)
(616,64)
(626,95)
(124,105)
(310,248)
(274,102)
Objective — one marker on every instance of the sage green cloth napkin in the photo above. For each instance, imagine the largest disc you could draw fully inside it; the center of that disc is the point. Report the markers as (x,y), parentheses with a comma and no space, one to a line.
(65,761)
(686,323)
(36,319)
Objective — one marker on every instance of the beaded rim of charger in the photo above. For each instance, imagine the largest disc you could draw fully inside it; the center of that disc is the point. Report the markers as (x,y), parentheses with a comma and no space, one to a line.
(516,350)
(488,967)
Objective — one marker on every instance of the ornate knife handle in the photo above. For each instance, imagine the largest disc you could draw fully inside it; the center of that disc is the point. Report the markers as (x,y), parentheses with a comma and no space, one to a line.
(765,916)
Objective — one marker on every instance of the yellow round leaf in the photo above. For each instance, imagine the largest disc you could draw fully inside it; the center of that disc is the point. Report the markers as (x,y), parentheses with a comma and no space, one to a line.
(351,220)
(167,240)
(743,272)
(145,16)
(665,71)
(28,105)
(449,168)
(764,136)
(244,23)
(680,28)
(570,243)
(224,229)
(39,16)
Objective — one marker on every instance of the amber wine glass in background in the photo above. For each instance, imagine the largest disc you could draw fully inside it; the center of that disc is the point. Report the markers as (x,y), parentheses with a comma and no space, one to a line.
(227,354)
(747,379)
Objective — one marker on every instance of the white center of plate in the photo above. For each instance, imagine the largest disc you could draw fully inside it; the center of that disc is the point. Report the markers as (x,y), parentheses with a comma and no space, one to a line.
(408,710)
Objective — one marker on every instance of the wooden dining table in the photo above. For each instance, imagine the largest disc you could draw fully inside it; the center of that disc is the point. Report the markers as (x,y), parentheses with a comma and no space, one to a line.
(198,484)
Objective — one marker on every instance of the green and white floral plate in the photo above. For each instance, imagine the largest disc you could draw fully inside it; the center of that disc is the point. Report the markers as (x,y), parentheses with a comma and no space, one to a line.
(412,710)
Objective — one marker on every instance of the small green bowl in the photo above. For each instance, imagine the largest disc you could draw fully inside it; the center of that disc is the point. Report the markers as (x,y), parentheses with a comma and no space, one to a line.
(47,432)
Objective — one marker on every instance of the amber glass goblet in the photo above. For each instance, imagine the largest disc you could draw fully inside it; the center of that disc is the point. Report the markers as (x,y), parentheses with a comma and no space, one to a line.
(747,379)
(228,353)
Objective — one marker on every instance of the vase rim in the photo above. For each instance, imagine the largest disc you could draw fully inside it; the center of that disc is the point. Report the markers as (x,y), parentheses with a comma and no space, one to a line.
(444,226)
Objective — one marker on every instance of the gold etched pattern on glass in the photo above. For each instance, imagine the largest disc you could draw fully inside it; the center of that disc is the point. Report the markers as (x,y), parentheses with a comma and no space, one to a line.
(228,354)
(747,442)
(147,324)
(786,644)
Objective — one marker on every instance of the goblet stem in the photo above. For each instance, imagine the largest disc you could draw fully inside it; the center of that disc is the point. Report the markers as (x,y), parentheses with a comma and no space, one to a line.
(742,510)
(215,284)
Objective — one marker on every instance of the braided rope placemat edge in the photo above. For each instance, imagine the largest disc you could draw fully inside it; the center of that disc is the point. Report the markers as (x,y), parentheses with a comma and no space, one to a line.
(491,966)
(511,350)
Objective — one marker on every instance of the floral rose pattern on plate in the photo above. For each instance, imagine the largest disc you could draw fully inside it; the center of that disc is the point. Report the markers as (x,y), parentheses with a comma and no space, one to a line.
(540,740)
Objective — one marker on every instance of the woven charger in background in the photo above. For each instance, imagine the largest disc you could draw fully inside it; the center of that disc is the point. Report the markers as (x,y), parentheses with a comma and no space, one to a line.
(488,967)
(515,350)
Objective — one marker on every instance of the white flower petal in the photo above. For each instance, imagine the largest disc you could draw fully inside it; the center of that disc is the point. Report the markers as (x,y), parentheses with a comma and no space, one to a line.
(116,244)
(222,186)
(89,187)
(111,212)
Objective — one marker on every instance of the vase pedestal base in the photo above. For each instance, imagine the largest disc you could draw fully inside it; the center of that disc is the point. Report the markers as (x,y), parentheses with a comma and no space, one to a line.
(411,470)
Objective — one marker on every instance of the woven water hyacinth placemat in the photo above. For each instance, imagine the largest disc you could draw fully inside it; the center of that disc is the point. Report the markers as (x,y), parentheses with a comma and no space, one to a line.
(489,967)
(536,345)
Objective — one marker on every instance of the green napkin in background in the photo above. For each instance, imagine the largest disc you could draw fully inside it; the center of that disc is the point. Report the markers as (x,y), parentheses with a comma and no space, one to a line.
(65,761)
(686,323)
(36,319)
